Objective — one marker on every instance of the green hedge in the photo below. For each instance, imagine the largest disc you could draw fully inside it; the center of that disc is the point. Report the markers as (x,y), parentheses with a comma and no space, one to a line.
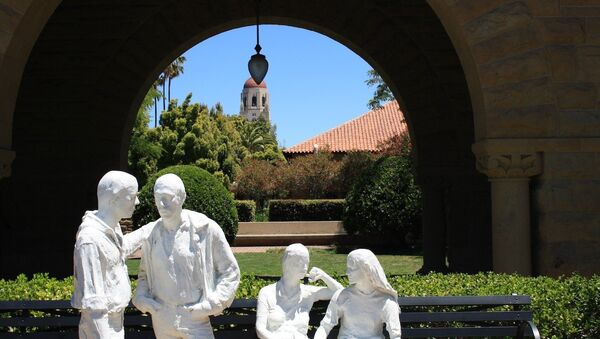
(385,202)
(306,210)
(246,209)
(567,307)
(205,194)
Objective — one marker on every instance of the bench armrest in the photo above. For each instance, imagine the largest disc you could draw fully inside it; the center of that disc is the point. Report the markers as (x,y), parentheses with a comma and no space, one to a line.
(530,324)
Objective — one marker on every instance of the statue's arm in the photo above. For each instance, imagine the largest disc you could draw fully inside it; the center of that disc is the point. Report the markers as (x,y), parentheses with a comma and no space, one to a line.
(143,299)
(391,316)
(228,272)
(331,318)
(133,241)
(88,269)
(262,314)
(332,284)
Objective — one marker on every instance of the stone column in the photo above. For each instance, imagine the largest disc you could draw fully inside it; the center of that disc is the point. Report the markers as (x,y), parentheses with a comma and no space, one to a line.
(6,159)
(509,175)
(434,224)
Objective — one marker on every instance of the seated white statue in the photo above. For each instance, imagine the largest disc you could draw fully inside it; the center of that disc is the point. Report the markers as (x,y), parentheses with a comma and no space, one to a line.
(102,288)
(188,271)
(283,308)
(363,307)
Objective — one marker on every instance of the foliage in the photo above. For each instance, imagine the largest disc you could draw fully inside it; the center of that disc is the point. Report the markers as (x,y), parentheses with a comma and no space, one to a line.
(40,287)
(143,152)
(246,209)
(382,91)
(205,194)
(567,307)
(262,215)
(310,177)
(399,145)
(258,180)
(385,202)
(197,135)
(352,166)
(305,210)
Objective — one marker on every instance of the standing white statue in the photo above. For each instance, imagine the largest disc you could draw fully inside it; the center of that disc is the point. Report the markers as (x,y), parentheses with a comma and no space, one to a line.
(188,271)
(283,308)
(363,307)
(102,286)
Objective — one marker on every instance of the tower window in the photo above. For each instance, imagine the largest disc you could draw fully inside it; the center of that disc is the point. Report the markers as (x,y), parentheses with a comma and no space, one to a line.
(264,100)
(245,102)
(254,101)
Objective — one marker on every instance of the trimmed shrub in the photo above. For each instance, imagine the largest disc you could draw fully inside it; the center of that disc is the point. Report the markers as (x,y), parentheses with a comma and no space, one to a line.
(385,202)
(567,307)
(246,209)
(306,210)
(205,194)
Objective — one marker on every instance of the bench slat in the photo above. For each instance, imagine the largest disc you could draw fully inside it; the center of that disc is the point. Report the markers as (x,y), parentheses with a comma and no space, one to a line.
(465,300)
(34,305)
(39,322)
(416,317)
(237,319)
(492,331)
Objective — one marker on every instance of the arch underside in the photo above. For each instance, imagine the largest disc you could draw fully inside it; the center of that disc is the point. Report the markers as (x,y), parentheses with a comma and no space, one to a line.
(93,63)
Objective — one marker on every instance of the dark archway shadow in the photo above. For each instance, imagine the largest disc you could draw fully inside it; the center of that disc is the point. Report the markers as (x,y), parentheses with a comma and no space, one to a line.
(93,63)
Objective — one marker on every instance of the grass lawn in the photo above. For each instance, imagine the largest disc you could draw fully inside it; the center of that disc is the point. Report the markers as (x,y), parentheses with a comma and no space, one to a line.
(269,263)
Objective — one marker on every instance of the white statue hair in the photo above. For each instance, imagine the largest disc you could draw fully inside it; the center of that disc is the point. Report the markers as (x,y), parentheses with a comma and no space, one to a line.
(112,183)
(368,263)
(295,250)
(172,181)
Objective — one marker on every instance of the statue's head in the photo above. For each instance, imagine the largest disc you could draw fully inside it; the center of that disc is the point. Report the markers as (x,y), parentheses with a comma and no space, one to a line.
(295,261)
(169,195)
(117,193)
(363,266)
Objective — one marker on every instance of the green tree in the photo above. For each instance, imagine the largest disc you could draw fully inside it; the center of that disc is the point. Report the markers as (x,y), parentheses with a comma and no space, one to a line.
(174,70)
(385,202)
(259,140)
(144,151)
(382,91)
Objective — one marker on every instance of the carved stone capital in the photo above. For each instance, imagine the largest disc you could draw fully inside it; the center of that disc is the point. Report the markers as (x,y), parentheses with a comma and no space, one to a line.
(510,165)
(6,159)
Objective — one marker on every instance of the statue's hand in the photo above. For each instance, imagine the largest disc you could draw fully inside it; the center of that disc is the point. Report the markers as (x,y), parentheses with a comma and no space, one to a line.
(147,305)
(316,274)
(199,310)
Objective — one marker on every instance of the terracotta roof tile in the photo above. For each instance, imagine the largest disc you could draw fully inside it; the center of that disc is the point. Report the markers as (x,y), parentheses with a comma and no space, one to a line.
(363,133)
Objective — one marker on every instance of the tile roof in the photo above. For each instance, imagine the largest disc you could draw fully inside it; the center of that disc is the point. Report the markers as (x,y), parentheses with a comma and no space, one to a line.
(363,133)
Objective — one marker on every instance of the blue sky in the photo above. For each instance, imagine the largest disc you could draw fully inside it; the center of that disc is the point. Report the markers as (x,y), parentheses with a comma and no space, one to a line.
(315,83)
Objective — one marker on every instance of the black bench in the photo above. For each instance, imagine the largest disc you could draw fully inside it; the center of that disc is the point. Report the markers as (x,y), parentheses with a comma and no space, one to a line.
(421,317)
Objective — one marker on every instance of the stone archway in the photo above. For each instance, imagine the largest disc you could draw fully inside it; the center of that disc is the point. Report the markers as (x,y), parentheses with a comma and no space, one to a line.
(492,74)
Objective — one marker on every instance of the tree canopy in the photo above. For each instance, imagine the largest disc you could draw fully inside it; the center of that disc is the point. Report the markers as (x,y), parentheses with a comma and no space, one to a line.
(382,91)
(194,134)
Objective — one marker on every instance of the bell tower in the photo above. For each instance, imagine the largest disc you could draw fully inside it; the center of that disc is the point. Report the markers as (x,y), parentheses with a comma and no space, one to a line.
(254,100)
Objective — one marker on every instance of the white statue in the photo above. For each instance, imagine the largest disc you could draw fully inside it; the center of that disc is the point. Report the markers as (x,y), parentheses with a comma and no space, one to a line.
(188,271)
(363,307)
(283,308)
(102,287)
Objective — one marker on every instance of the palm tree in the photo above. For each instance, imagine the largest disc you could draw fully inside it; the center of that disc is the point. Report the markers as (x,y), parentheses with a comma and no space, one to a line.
(161,82)
(253,138)
(175,70)
(155,86)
